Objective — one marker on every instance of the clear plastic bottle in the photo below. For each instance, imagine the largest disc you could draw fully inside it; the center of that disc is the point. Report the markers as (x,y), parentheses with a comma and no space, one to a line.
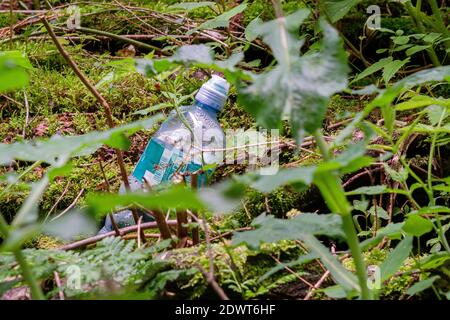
(190,138)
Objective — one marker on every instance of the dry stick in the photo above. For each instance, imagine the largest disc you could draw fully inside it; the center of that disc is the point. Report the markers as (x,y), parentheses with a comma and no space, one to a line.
(58,284)
(147,235)
(317,285)
(210,275)
(309,284)
(159,217)
(94,239)
(195,231)
(139,232)
(58,200)
(213,283)
(27,115)
(100,99)
(69,207)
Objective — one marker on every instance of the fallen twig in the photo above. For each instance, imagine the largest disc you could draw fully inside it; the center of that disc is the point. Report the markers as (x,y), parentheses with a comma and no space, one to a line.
(94,239)
(213,283)
(58,284)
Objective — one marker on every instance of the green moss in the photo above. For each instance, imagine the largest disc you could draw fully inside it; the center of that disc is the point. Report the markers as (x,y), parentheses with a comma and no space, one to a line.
(237,269)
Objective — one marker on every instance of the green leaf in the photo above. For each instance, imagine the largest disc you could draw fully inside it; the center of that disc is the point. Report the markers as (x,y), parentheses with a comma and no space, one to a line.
(271,229)
(50,150)
(223,197)
(421,285)
(71,225)
(189,6)
(370,190)
(416,225)
(400,40)
(18,237)
(251,32)
(434,260)
(392,231)
(198,55)
(175,197)
(416,49)
(297,88)
(13,66)
(221,20)
(194,53)
(28,212)
(341,275)
(421,101)
(397,175)
(373,68)
(296,176)
(379,212)
(391,68)
(435,113)
(337,9)
(386,96)
(396,258)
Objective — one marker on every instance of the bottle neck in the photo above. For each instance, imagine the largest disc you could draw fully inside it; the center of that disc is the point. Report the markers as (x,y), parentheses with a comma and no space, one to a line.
(208,108)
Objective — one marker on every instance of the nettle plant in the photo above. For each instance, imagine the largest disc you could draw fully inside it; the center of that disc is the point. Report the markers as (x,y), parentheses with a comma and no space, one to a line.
(296,88)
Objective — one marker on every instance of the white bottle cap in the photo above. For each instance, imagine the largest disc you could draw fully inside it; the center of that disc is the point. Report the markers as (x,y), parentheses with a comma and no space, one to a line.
(214,92)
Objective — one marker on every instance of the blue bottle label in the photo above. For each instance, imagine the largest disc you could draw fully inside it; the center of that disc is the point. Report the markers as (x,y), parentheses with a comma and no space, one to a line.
(161,161)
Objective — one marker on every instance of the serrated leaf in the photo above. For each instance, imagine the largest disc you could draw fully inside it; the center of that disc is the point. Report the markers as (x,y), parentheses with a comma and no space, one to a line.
(337,9)
(397,175)
(373,68)
(271,229)
(296,176)
(391,68)
(416,49)
(421,285)
(297,88)
(341,275)
(173,198)
(50,150)
(221,20)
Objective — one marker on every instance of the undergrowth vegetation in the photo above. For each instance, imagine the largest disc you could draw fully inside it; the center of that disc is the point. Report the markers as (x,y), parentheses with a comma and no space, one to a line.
(359,207)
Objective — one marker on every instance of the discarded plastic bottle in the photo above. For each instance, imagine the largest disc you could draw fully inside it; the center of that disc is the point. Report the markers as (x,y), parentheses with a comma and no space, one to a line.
(189,139)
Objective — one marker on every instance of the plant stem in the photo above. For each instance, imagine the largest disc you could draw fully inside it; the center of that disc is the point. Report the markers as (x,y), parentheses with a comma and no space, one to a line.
(34,165)
(413,13)
(430,177)
(333,192)
(439,22)
(11,28)
(322,144)
(36,291)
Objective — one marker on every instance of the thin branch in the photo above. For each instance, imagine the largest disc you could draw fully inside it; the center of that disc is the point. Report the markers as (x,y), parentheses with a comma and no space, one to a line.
(69,207)
(94,239)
